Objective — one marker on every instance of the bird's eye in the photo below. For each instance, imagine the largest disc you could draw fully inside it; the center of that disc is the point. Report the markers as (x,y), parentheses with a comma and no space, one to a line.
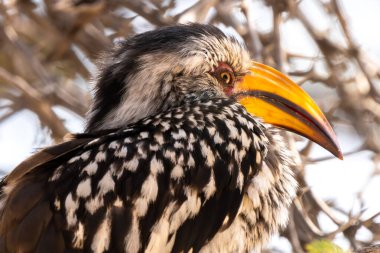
(226,77)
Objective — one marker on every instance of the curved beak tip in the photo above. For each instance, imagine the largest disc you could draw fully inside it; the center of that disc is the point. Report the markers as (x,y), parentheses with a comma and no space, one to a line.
(333,147)
(338,153)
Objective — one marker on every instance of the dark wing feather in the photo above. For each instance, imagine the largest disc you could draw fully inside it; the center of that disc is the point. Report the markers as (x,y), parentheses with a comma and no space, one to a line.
(25,214)
(172,180)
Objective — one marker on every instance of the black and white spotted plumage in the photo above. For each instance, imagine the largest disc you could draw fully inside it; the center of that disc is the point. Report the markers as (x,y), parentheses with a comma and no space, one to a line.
(194,172)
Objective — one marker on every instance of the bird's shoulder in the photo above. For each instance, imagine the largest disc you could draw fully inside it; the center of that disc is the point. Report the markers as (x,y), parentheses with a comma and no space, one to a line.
(193,134)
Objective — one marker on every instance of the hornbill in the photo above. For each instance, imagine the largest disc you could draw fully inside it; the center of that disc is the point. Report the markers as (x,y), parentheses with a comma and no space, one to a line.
(182,152)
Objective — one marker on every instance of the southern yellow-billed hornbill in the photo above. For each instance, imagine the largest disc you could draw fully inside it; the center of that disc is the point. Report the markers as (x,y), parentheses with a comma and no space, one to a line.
(179,154)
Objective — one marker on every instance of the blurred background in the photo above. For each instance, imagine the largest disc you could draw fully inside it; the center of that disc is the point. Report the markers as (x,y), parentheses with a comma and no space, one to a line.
(48,54)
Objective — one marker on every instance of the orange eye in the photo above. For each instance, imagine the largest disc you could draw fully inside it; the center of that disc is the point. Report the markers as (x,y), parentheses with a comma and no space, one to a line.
(226,77)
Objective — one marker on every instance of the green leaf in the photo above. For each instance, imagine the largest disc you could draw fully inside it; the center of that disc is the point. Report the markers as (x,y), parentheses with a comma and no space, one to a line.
(323,246)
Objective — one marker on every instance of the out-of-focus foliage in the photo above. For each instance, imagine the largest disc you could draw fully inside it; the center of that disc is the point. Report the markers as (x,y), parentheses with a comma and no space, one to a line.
(48,49)
(323,246)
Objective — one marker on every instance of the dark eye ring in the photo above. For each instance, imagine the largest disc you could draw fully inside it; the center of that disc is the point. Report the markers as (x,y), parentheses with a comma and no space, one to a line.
(226,77)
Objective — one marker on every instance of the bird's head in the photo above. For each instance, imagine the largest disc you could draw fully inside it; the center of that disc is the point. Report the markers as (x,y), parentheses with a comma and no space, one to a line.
(157,70)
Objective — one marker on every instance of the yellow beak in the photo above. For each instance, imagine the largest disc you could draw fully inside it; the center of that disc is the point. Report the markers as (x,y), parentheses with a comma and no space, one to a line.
(272,96)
